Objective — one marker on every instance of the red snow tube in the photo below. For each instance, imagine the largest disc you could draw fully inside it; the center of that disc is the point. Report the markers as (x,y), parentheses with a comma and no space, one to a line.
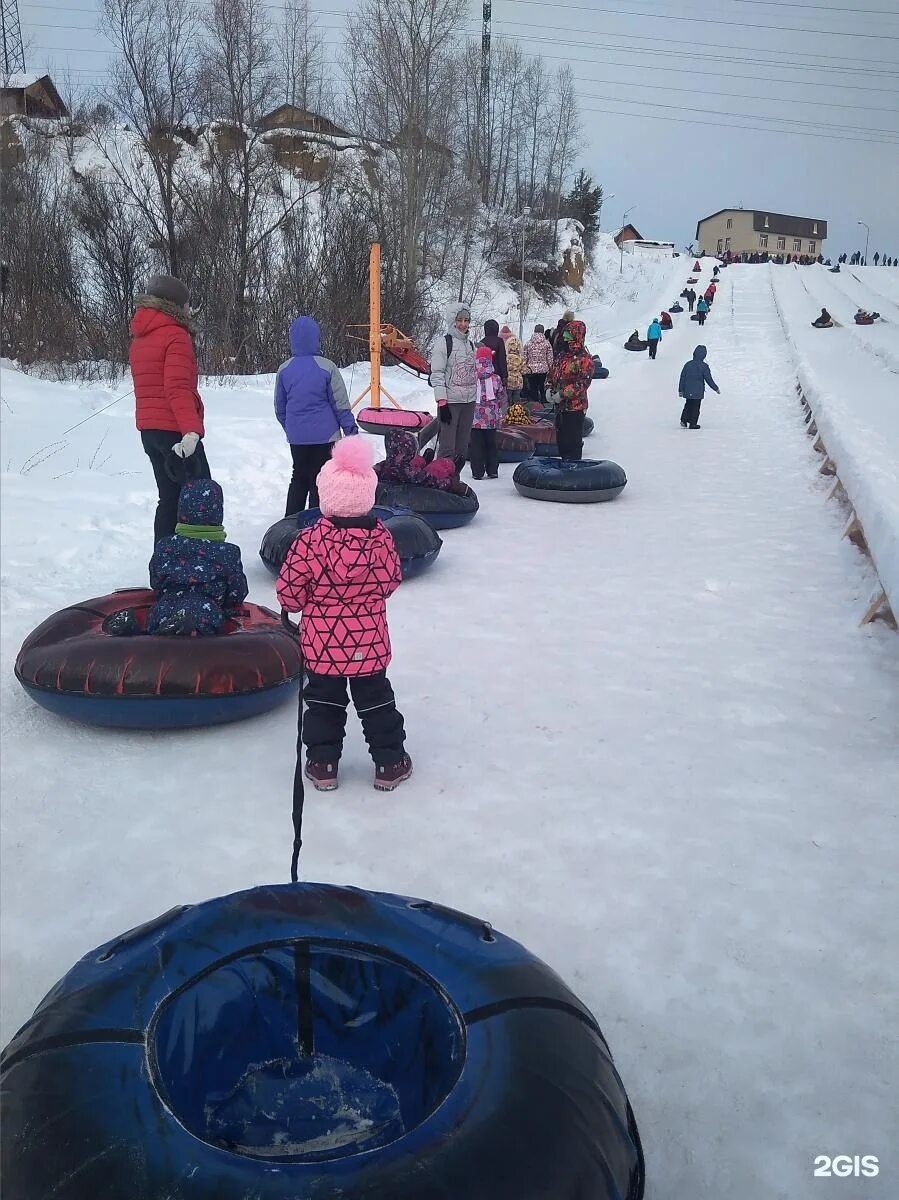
(864,320)
(409,357)
(73,667)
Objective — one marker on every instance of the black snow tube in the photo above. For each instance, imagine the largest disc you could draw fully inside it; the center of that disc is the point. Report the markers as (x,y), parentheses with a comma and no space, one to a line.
(441,510)
(676,308)
(638,346)
(588,426)
(307,1041)
(600,372)
(585,482)
(821,325)
(416,542)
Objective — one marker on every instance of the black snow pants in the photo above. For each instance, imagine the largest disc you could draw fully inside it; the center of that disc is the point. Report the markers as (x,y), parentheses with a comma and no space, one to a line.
(570,435)
(158,445)
(653,347)
(690,412)
(483,452)
(307,462)
(324,723)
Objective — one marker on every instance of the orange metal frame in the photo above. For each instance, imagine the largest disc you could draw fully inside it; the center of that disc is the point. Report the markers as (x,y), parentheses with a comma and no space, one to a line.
(375,331)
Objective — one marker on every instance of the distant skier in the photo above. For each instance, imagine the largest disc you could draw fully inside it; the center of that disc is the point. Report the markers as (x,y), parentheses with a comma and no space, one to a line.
(694,375)
(654,336)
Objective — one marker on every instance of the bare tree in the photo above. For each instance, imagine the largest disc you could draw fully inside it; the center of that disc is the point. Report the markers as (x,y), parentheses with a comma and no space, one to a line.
(301,59)
(152,87)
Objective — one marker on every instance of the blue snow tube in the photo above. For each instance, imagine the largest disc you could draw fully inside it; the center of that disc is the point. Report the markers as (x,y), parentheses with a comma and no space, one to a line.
(586,482)
(304,1042)
(441,510)
(416,542)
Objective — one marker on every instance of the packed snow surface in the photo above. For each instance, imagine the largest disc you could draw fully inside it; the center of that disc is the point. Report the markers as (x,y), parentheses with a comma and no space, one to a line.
(650,742)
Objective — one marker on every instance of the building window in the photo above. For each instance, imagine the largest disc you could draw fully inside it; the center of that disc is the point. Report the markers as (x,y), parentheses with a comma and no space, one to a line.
(815,227)
(727,243)
(797,244)
(730,223)
(720,245)
(812,247)
(763,241)
(766,223)
(781,243)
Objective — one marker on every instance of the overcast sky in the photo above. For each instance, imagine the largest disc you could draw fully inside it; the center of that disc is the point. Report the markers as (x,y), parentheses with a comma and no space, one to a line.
(687,107)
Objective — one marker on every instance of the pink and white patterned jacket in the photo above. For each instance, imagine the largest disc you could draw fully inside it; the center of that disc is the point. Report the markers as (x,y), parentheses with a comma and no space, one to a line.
(339,574)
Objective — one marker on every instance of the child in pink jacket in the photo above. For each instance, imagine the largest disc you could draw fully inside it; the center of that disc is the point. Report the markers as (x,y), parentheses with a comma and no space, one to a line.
(339,573)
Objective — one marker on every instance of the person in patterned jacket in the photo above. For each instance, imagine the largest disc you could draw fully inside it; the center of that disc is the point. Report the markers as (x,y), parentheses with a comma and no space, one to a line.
(538,356)
(339,574)
(197,574)
(570,379)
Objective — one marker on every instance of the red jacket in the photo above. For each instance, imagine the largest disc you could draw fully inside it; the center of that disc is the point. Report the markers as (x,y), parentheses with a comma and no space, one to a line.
(339,575)
(164,370)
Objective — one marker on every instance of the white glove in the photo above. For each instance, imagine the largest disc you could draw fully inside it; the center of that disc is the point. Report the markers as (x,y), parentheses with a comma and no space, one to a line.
(187,445)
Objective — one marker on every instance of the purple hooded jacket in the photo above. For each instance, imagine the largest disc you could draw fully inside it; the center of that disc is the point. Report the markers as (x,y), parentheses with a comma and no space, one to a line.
(311,401)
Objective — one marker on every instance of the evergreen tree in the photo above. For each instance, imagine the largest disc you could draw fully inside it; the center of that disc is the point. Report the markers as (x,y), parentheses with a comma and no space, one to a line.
(584,203)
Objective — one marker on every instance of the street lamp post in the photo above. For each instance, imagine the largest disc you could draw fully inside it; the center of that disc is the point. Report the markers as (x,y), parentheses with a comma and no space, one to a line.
(525,213)
(621,246)
(867,237)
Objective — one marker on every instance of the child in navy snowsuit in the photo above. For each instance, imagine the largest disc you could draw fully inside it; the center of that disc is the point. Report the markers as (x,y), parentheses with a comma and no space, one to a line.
(198,575)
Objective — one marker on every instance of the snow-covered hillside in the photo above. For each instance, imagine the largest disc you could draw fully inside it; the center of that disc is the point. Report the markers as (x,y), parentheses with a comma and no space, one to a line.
(650,740)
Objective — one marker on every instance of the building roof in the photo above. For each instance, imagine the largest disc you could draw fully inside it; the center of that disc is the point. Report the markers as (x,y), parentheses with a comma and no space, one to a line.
(23,82)
(293,116)
(777,223)
(636,235)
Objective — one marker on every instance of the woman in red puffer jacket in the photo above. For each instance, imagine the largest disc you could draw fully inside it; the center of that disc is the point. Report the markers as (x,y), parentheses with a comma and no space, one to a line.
(168,410)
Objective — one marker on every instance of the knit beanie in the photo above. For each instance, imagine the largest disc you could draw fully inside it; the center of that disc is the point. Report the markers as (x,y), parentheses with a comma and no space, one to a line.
(167,287)
(347,482)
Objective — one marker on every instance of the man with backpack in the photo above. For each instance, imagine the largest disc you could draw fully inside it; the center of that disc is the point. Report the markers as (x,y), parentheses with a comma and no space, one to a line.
(455,383)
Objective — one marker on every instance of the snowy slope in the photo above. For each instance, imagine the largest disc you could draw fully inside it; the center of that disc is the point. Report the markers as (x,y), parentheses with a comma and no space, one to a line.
(853,391)
(650,742)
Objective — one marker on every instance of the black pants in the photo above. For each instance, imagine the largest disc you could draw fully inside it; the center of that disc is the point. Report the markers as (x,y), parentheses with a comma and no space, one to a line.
(690,413)
(307,462)
(653,347)
(158,445)
(537,388)
(483,452)
(570,435)
(324,723)
(690,303)
(702,317)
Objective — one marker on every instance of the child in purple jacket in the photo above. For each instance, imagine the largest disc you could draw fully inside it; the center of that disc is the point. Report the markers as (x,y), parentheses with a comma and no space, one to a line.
(312,406)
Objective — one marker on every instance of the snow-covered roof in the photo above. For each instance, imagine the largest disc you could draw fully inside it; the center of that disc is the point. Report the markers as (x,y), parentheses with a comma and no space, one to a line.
(18,80)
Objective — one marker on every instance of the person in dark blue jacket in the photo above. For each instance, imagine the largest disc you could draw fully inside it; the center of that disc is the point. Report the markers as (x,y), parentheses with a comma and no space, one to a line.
(693,378)
(312,406)
(198,575)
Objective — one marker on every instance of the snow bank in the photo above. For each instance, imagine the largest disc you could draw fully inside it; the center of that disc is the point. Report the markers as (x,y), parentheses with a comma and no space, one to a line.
(853,398)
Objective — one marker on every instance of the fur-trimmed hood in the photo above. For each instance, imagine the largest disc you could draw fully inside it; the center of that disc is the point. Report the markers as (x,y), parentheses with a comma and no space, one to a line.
(157,304)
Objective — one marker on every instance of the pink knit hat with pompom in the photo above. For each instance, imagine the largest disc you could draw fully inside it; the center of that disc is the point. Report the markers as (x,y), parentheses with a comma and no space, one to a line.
(347,482)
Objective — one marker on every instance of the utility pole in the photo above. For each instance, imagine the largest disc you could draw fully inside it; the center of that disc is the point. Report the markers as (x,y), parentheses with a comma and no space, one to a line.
(13,50)
(867,236)
(484,132)
(525,213)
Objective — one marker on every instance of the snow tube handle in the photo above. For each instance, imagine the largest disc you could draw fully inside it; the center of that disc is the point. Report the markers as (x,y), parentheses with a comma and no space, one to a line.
(141,931)
(292,629)
(483,928)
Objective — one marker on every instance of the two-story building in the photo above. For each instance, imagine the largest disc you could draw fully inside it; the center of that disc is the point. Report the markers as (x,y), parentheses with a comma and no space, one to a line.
(750,231)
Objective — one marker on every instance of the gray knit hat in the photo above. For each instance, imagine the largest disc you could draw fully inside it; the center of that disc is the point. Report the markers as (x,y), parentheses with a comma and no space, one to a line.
(167,287)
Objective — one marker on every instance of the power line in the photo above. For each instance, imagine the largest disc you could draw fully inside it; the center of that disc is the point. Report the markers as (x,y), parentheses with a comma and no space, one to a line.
(855,87)
(754,116)
(643,37)
(624,12)
(722,125)
(665,87)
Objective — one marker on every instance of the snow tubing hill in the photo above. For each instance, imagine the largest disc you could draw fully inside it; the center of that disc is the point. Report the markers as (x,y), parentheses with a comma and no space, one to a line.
(306,1041)
(441,510)
(585,482)
(72,667)
(416,542)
